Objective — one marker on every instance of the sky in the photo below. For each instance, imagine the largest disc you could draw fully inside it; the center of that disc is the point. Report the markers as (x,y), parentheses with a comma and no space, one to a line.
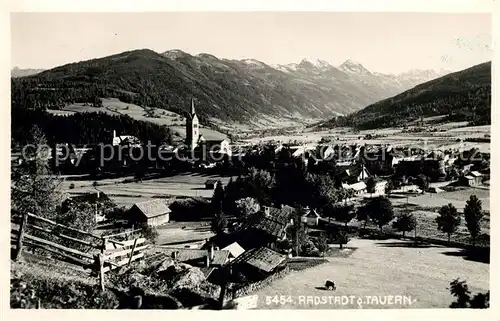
(382,42)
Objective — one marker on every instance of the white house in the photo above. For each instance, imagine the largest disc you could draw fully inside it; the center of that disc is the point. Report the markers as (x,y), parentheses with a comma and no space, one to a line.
(125,139)
(311,218)
(380,187)
(359,188)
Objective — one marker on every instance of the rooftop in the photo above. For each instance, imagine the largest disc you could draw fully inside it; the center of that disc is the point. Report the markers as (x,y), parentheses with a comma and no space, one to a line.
(153,208)
(261,258)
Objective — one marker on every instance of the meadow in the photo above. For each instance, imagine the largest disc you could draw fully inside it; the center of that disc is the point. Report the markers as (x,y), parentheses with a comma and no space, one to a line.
(381,268)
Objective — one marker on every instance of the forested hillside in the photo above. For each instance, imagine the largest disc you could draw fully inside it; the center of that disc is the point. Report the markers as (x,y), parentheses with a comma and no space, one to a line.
(83,128)
(229,90)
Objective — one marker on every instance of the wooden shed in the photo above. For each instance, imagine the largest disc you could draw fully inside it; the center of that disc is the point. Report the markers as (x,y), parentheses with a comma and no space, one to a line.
(152,213)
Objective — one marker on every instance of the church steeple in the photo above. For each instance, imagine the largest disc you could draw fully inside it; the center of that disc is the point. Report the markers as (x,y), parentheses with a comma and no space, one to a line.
(193,112)
(192,127)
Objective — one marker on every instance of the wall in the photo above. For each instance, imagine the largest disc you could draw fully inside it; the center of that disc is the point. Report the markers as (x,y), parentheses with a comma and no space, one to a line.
(231,295)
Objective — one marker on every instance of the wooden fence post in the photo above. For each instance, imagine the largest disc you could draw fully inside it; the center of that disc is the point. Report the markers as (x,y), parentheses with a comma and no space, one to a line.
(100,266)
(132,252)
(22,229)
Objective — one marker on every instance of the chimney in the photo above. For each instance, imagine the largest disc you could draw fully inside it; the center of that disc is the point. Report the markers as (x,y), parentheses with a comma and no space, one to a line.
(114,133)
(266,210)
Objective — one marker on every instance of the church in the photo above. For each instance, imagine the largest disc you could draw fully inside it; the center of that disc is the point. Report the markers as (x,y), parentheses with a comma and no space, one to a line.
(195,142)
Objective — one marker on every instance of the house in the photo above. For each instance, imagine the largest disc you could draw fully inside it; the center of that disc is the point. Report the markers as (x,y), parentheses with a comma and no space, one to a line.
(234,249)
(125,140)
(258,263)
(473,179)
(380,186)
(311,218)
(153,213)
(213,149)
(267,227)
(359,188)
(351,173)
(211,183)
(467,168)
(324,152)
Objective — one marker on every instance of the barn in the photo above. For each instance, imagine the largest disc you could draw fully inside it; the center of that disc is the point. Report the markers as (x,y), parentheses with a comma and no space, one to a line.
(153,213)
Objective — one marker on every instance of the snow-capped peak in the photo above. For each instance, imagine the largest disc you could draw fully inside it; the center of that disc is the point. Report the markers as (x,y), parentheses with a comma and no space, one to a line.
(317,63)
(353,67)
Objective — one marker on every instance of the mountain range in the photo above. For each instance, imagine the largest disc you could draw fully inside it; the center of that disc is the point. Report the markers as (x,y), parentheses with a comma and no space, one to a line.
(241,91)
(460,96)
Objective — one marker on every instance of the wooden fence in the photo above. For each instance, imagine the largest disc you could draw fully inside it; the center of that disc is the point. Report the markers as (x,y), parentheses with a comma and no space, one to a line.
(100,254)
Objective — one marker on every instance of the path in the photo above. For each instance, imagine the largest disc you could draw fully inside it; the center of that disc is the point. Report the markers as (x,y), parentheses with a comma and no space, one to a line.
(381,268)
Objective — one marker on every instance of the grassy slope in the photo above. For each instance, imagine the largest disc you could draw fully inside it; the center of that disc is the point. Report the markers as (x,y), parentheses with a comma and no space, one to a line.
(114,106)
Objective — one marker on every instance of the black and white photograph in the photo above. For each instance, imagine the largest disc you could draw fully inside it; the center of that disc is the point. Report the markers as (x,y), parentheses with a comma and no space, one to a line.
(250,160)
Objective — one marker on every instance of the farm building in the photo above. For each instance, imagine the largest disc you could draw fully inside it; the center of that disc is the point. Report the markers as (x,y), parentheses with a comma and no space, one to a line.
(211,183)
(211,257)
(474,178)
(359,188)
(153,213)
(258,263)
(311,218)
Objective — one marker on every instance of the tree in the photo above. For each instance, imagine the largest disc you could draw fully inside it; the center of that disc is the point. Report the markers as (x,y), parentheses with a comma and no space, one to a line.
(473,215)
(362,214)
(422,182)
(150,233)
(219,224)
(247,206)
(389,187)
(34,188)
(343,213)
(321,243)
(405,222)
(460,290)
(452,173)
(342,237)
(448,220)
(298,230)
(218,198)
(370,185)
(380,211)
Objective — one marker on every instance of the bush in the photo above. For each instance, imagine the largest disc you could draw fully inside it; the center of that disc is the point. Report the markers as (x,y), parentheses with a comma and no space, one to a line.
(150,233)
(71,186)
(27,291)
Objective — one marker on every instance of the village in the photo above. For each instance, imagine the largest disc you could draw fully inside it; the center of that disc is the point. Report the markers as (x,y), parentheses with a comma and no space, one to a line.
(246,214)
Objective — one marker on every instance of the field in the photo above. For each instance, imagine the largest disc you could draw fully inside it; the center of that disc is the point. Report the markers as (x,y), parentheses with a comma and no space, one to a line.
(381,268)
(457,198)
(446,136)
(114,106)
(126,194)
(180,234)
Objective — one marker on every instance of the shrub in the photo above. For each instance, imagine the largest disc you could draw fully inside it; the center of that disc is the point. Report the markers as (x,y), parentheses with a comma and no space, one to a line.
(55,293)
(71,186)
(150,233)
